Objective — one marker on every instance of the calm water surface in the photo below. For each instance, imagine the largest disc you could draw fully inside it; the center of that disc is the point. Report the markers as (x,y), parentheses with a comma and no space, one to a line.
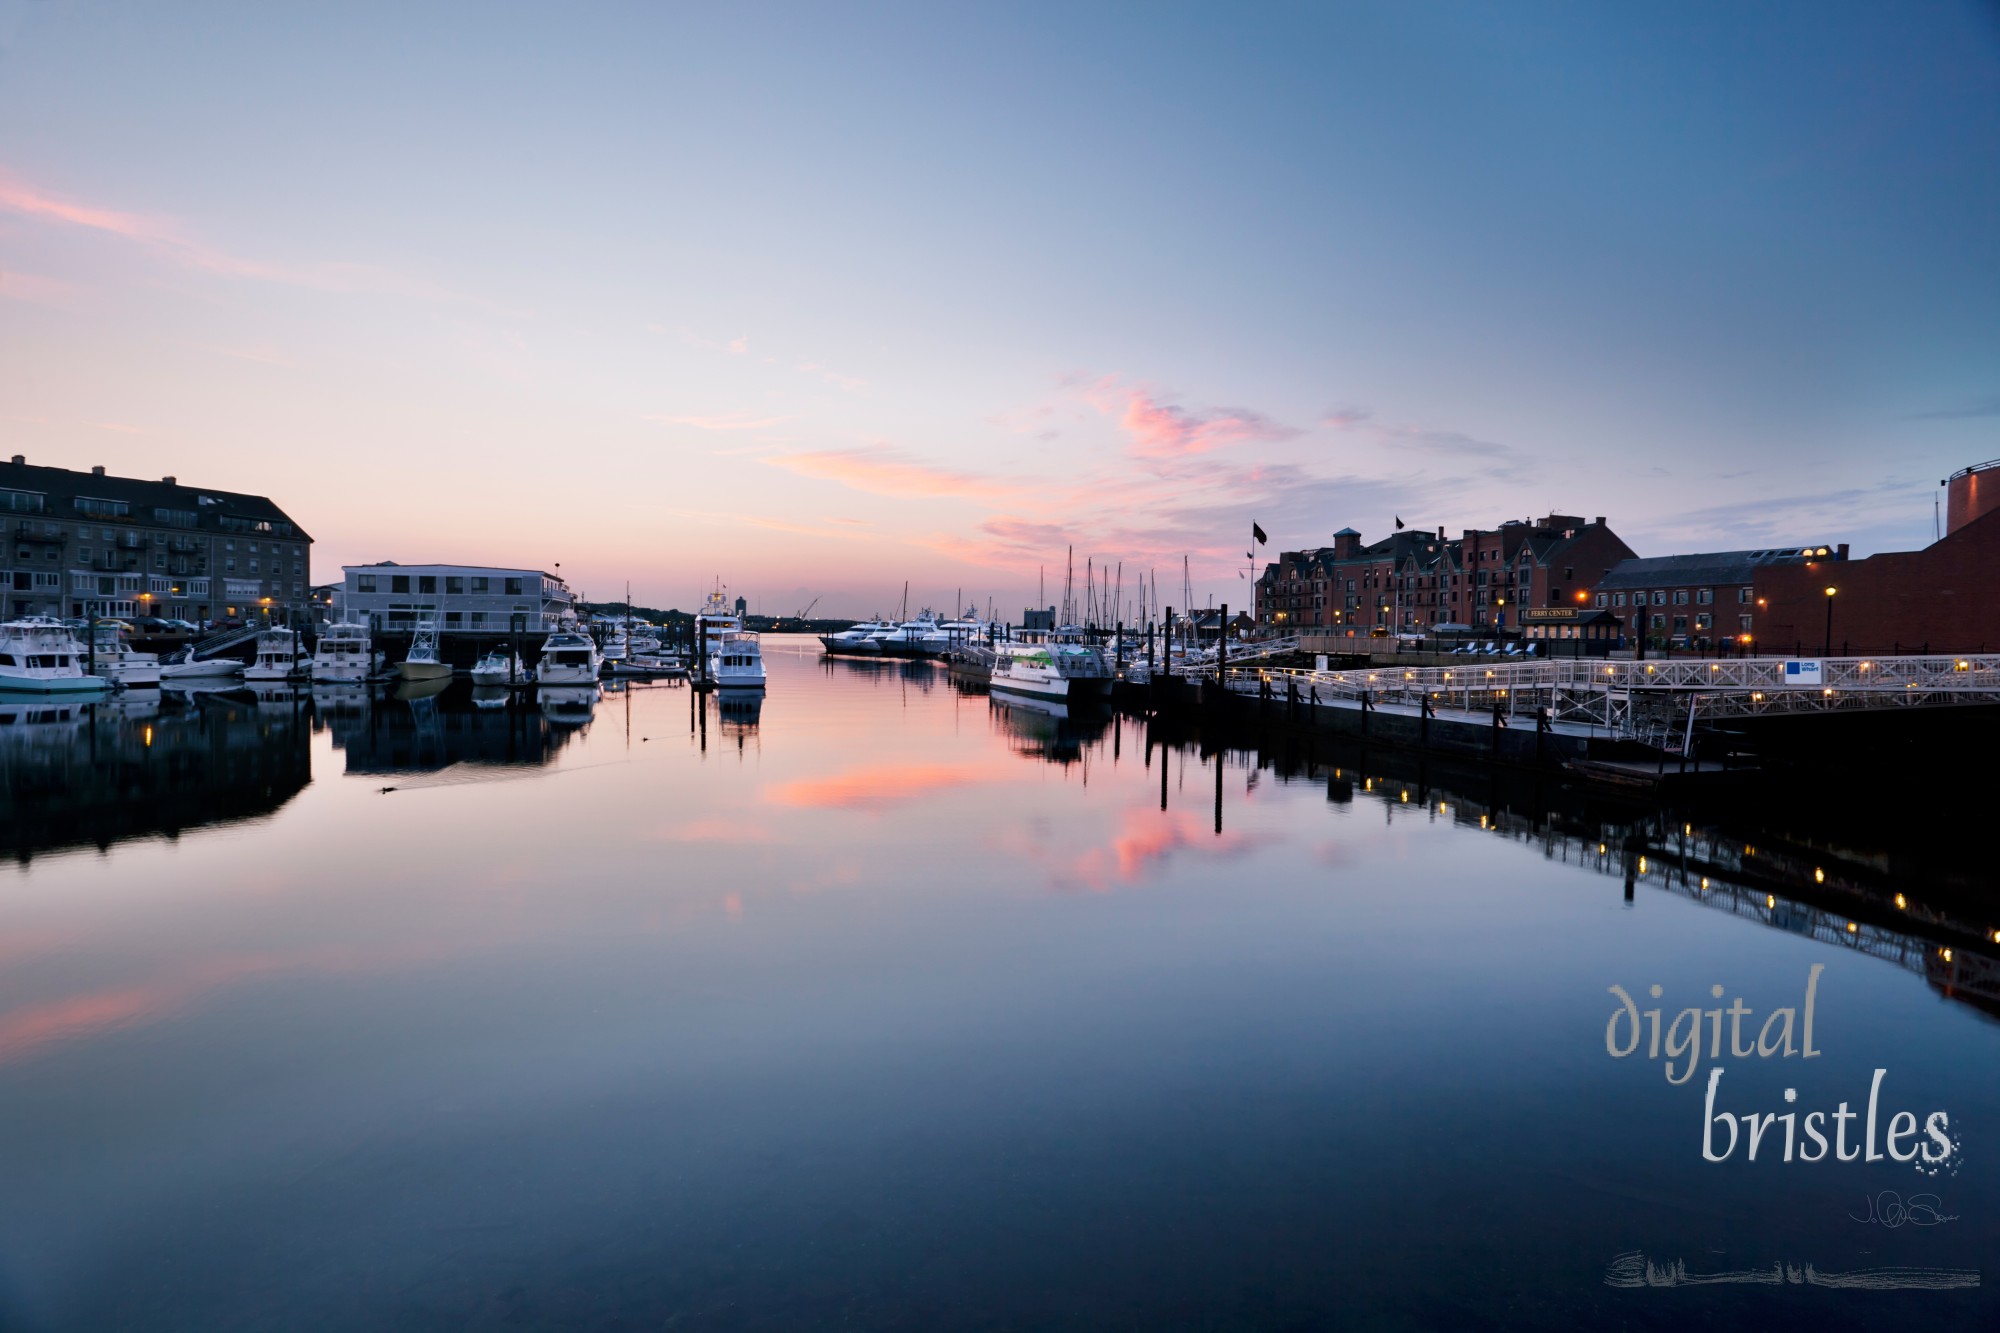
(886,1006)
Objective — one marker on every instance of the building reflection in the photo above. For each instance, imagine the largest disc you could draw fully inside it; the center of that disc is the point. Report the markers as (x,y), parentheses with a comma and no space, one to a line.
(143,763)
(425,726)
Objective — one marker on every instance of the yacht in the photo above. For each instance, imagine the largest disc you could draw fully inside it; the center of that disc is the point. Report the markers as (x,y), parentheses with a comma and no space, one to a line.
(568,705)
(39,655)
(277,656)
(569,657)
(191,668)
(113,659)
(735,658)
(859,639)
(424,661)
(498,668)
(968,628)
(922,637)
(344,653)
(1062,670)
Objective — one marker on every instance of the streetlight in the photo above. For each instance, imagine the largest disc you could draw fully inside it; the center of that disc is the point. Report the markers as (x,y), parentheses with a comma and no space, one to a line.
(1830,591)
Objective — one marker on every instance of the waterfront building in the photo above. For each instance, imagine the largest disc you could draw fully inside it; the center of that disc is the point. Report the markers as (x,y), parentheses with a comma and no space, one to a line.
(1699,601)
(86,543)
(465,599)
(1416,578)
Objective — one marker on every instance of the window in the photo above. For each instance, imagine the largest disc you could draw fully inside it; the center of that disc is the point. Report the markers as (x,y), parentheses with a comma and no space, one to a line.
(23,502)
(478,583)
(1601,599)
(1703,621)
(229,565)
(176,518)
(1618,599)
(1705,596)
(1743,596)
(1680,624)
(253,566)
(1659,597)
(1680,596)
(101,508)
(513,587)
(1743,622)
(478,619)
(399,583)
(364,583)
(453,619)
(1659,622)
(427,583)
(454,584)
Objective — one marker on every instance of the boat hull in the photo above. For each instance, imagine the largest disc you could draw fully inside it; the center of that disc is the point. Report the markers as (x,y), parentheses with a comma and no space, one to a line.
(1059,689)
(488,676)
(424,670)
(212,669)
(349,675)
(12,684)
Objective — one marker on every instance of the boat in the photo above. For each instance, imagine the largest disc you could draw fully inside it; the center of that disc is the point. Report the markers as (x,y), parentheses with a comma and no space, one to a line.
(923,637)
(205,669)
(112,658)
(39,655)
(861,639)
(277,656)
(735,658)
(498,668)
(423,661)
(1062,669)
(490,698)
(569,657)
(344,653)
(650,664)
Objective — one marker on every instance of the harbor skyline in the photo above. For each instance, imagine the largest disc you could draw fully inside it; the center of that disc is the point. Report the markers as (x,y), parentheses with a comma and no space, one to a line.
(663,296)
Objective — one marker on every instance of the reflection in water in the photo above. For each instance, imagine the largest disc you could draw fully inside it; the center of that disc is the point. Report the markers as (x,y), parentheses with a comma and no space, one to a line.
(137,765)
(418,728)
(1058,732)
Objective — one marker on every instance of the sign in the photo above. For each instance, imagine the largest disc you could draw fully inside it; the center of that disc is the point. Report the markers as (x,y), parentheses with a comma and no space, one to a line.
(1535,613)
(1804,671)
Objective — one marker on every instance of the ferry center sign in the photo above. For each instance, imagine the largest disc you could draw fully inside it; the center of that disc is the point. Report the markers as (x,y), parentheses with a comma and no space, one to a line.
(1804,671)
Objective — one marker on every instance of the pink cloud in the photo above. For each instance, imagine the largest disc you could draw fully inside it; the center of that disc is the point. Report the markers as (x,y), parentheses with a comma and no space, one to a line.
(722,421)
(880,470)
(33,289)
(1161,429)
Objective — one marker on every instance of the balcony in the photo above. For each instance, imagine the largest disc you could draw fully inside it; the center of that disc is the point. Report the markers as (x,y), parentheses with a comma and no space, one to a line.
(186,545)
(112,562)
(34,532)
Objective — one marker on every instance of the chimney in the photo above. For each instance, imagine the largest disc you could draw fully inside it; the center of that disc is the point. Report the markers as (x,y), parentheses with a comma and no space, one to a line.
(97,471)
(20,460)
(169,481)
(1440,532)
(1840,551)
(1599,520)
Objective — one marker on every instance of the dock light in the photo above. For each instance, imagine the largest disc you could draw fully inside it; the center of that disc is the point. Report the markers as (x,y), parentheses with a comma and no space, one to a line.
(1440,807)
(1687,830)
(1770,903)
(1819,876)
(1996,937)
(1649,669)
(1901,901)
(1946,954)
(1827,693)
(1642,865)
(1756,697)
(1409,675)
(1830,591)
(1482,821)
(1852,927)
(1715,666)
(1600,849)
(1406,797)
(1704,882)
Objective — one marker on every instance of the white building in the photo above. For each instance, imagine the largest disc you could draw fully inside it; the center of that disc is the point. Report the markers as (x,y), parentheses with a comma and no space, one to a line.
(464,599)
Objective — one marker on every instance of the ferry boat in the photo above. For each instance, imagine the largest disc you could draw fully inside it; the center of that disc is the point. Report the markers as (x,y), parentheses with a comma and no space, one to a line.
(735,658)
(569,657)
(277,656)
(423,661)
(39,655)
(113,659)
(498,668)
(1062,669)
(344,653)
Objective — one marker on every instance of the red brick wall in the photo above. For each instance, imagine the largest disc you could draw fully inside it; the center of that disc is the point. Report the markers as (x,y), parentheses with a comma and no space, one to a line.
(1946,595)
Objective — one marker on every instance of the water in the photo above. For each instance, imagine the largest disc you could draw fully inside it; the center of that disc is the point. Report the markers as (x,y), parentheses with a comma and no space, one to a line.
(885,1006)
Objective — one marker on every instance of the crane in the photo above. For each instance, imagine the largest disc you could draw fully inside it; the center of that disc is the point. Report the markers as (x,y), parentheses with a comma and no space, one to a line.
(809,609)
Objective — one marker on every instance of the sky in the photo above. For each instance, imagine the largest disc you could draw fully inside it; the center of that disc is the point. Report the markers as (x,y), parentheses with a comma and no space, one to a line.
(819,299)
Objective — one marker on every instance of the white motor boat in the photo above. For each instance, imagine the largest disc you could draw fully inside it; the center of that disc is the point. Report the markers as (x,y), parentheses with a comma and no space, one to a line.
(862,639)
(203,669)
(277,656)
(113,659)
(1062,670)
(344,653)
(569,657)
(735,658)
(39,655)
(498,668)
(922,637)
(568,705)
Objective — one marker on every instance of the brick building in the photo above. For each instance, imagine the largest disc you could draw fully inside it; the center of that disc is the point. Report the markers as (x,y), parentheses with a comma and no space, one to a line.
(84,543)
(1415,579)
(1699,601)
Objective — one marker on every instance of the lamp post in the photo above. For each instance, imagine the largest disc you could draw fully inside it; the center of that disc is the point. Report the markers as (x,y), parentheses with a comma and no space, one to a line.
(1830,591)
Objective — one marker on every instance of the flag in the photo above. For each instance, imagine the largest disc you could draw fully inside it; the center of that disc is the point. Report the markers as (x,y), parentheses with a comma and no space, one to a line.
(1258,533)
(1399,524)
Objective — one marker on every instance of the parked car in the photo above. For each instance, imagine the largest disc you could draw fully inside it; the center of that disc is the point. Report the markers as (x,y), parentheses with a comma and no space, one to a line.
(151,625)
(183,627)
